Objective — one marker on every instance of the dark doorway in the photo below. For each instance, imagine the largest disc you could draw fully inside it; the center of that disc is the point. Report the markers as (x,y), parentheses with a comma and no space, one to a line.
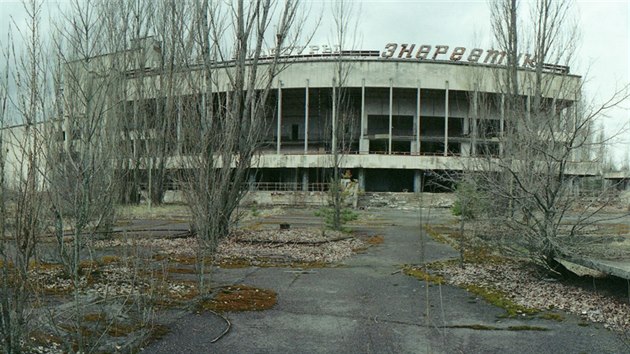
(382,180)
(295,131)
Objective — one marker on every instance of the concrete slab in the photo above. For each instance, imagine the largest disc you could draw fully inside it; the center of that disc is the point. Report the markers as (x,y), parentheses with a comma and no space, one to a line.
(618,268)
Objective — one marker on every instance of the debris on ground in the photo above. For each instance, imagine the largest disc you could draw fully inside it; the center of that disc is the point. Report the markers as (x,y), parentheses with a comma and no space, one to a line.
(526,288)
(285,246)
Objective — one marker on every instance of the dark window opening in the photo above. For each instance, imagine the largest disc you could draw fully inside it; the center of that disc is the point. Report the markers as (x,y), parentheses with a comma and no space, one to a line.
(378,124)
(432,126)
(401,125)
(401,147)
(454,148)
(436,182)
(488,149)
(431,148)
(382,180)
(455,127)
(295,132)
(488,128)
(378,146)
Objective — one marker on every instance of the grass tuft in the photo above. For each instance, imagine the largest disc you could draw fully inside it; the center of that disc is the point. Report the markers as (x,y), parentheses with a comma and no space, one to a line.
(500,299)
(422,275)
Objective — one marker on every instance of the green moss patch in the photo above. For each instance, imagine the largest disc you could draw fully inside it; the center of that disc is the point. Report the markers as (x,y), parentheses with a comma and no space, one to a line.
(500,299)
(477,327)
(552,316)
(480,327)
(420,274)
(436,233)
(527,328)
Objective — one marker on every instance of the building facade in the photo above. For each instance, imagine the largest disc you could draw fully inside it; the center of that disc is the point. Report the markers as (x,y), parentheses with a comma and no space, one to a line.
(404,113)
(407,116)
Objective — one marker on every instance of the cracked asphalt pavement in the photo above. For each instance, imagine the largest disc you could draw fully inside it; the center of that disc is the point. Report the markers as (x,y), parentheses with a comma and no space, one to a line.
(367,305)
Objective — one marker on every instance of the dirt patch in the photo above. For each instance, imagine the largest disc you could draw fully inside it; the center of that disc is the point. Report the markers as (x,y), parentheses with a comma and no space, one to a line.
(375,240)
(235,298)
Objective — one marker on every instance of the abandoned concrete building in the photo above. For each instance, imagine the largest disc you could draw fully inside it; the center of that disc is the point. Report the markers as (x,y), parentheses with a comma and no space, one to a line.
(412,113)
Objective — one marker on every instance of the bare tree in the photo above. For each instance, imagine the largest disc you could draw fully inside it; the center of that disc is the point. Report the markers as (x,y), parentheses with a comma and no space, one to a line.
(80,159)
(22,207)
(128,33)
(229,100)
(343,118)
(169,24)
(547,125)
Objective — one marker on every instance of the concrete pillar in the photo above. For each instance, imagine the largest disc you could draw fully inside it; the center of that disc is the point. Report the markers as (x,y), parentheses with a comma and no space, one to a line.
(418,106)
(252,182)
(364,146)
(179,125)
(475,116)
(334,116)
(279,127)
(305,179)
(502,124)
(391,107)
(227,99)
(296,178)
(252,108)
(362,180)
(446,118)
(417,181)
(306,109)
(529,106)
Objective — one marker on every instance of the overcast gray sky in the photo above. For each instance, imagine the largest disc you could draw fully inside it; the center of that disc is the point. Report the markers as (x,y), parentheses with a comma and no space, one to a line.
(603,56)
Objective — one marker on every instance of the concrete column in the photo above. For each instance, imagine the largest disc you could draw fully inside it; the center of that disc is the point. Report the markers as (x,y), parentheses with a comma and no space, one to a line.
(417,181)
(391,107)
(502,124)
(475,116)
(554,114)
(529,106)
(279,127)
(363,120)
(362,180)
(179,125)
(446,118)
(252,182)
(574,185)
(306,109)
(252,106)
(418,106)
(334,116)
(305,179)
(227,99)
(135,139)
(364,142)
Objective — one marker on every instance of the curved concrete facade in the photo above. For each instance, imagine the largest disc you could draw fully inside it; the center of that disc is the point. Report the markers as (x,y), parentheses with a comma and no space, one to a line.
(402,117)
(413,73)
(408,116)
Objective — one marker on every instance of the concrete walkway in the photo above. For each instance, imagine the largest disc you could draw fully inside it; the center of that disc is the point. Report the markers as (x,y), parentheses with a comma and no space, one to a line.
(367,306)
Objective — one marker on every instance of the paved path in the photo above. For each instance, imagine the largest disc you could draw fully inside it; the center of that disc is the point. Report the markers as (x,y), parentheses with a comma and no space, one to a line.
(368,307)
